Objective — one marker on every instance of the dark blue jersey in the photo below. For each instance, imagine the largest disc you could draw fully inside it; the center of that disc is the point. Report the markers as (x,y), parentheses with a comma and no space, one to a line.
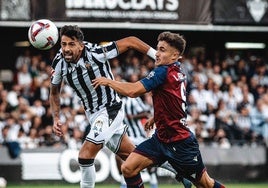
(168,86)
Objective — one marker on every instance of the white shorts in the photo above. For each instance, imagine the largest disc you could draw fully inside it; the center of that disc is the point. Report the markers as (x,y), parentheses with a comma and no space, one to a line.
(107,127)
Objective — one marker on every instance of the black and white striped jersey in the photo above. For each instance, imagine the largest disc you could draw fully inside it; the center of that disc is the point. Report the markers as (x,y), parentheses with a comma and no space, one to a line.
(92,63)
(134,106)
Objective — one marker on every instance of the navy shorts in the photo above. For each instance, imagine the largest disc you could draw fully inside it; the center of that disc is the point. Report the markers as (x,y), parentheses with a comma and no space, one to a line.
(184,156)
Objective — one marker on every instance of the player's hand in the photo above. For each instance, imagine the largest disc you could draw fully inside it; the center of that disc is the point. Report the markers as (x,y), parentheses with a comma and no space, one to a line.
(149,124)
(57,128)
(100,81)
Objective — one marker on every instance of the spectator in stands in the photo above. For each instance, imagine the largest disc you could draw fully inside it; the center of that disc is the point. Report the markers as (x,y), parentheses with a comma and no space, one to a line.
(241,68)
(49,139)
(42,92)
(10,133)
(221,140)
(215,74)
(243,123)
(201,97)
(224,120)
(231,98)
(23,58)
(4,105)
(261,74)
(259,123)
(25,80)
(12,96)
(37,108)
(116,67)
(246,95)
(214,96)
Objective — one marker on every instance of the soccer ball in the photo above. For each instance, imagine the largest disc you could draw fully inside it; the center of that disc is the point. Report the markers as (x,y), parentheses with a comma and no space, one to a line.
(3,182)
(43,34)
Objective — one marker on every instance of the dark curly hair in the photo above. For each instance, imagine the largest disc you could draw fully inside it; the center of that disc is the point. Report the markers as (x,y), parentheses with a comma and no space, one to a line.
(72,31)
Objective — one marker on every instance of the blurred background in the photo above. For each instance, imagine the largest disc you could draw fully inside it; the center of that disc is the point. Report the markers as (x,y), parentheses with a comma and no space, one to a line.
(226,60)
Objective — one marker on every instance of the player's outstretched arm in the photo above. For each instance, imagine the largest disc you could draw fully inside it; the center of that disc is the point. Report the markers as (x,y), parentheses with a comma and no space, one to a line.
(124,88)
(135,43)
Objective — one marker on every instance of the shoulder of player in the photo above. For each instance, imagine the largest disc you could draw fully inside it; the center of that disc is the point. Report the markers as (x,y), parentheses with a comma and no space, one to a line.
(92,46)
(161,69)
(164,70)
(57,59)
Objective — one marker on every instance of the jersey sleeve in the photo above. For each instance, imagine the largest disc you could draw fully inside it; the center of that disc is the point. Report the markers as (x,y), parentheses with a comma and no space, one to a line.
(106,51)
(56,70)
(155,78)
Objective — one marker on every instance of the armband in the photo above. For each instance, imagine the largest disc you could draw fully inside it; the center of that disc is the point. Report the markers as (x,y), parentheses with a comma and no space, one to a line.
(151,52)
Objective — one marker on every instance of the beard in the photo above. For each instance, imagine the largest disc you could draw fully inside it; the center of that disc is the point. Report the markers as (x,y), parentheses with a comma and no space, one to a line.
(68,58)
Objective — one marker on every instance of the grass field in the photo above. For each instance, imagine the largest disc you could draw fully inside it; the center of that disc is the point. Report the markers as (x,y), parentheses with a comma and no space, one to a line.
(236,185)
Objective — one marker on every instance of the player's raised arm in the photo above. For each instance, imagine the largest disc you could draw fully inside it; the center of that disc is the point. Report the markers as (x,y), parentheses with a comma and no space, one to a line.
(135,43)
(129,89)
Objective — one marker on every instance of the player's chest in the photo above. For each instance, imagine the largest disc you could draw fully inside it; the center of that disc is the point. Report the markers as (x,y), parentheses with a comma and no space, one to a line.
(81,69)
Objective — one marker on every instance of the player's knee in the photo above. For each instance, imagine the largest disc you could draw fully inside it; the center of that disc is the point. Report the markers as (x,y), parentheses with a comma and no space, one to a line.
(126,171)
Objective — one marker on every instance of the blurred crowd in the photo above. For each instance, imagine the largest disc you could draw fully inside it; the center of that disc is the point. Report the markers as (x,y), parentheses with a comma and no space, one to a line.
(227,100)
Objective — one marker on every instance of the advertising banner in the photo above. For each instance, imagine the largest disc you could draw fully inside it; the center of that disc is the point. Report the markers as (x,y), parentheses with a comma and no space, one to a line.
(133,11)
(151,11)
(241,12)
(60,164)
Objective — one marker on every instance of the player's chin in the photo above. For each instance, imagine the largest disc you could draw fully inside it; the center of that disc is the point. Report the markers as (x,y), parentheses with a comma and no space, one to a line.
(157,63)
(68,59)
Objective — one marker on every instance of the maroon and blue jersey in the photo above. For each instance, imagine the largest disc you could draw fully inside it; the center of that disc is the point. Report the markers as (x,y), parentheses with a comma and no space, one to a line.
(168,86)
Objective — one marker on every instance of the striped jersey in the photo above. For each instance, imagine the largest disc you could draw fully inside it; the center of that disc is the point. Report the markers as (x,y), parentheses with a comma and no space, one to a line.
(93,63)
(133,107)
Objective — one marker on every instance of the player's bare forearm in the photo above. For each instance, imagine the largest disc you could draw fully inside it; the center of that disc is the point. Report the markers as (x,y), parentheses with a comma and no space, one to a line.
(54,99)
(132,43)
(55,107)
(124,88)
(139,116)
(135,43)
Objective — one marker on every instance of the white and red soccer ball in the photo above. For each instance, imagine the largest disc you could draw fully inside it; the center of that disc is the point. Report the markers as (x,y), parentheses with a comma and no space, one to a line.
(43,34)
(3,182)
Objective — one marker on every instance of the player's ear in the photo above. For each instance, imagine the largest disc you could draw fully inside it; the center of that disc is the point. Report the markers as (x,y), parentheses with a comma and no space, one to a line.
(81,45)
(175,55)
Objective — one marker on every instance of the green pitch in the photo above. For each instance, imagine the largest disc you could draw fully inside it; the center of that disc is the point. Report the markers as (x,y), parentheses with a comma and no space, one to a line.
(228,185)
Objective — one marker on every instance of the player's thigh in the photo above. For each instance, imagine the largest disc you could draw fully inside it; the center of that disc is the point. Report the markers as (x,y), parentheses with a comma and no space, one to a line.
(185,158)
(126,147)
(89,150)
(134,164)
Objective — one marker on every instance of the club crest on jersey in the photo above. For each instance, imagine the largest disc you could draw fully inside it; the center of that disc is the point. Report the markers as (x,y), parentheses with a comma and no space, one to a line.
(87,65)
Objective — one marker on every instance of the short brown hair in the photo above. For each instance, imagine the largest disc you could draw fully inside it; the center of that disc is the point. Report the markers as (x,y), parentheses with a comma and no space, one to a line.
(173,39)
